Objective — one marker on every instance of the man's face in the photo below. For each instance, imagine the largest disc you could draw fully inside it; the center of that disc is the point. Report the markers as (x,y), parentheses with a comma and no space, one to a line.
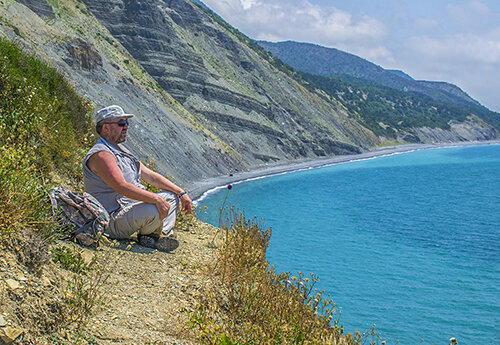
(115,132)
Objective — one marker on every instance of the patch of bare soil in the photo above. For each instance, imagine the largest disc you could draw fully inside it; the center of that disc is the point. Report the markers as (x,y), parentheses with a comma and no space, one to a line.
(146,294)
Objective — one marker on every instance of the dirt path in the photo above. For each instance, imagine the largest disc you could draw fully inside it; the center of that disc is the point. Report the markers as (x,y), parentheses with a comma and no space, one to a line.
(150,291)
(147,294)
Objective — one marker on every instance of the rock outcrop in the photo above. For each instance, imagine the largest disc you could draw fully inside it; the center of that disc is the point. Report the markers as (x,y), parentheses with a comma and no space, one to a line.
(256,110)
(472,130)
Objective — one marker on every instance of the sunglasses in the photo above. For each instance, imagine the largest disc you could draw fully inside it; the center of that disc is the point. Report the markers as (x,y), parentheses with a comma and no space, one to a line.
(121,123)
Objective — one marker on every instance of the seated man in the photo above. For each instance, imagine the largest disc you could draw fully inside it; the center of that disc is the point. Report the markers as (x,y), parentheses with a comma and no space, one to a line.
(113,176)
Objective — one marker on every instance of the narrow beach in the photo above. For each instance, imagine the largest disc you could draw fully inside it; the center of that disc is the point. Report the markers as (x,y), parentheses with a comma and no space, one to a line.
(200,189)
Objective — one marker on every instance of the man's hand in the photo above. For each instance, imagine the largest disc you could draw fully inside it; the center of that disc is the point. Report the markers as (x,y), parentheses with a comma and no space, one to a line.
(163,207)
(186,203)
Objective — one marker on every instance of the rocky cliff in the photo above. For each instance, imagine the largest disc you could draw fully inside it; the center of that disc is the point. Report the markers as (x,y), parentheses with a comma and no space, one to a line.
(206,103)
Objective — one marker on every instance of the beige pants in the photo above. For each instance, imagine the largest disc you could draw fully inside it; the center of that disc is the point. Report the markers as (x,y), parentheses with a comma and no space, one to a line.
(143,218)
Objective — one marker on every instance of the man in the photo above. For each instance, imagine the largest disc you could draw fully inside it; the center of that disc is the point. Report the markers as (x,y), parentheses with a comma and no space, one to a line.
(113,176)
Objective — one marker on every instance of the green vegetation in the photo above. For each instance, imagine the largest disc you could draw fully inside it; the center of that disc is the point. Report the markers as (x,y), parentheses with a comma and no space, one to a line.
(45,129)
(383,109)
(69,260)
(41,114)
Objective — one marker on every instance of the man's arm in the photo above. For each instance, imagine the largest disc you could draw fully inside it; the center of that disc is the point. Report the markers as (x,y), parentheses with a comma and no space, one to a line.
(159,181)
(104,165)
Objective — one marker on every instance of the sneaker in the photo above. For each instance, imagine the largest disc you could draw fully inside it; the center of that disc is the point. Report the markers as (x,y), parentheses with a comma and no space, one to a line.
(147,241)
(166,244)
(163,244)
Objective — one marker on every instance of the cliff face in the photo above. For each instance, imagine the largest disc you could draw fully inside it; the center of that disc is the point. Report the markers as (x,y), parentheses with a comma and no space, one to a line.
(205,103)
(42,8)
(225,85)
(471,130)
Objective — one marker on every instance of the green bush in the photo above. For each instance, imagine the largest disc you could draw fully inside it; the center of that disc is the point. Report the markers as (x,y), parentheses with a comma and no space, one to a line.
(45,129)
(21,196)
(40,112)
(249,303)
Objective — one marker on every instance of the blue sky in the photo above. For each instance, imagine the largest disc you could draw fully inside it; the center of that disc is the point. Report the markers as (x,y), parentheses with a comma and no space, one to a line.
(453,41)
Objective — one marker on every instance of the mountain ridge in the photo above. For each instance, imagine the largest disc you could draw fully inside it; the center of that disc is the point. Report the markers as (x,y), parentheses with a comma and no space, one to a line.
(390,103)
(316,59)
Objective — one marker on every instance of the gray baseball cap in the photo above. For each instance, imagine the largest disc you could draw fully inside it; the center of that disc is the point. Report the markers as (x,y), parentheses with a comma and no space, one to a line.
(110,113)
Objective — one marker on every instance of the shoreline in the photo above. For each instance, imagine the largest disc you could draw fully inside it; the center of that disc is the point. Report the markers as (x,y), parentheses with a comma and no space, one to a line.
(201,189)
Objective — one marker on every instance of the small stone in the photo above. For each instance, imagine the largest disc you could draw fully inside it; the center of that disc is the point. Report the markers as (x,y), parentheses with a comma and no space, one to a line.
(13,284)
(21,278)
(8,334)
(3,322)
(46,281)
(87,256)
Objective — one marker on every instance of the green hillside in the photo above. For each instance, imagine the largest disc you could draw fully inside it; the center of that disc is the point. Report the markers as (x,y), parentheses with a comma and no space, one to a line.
(331,62)
(386,101)
(383,108)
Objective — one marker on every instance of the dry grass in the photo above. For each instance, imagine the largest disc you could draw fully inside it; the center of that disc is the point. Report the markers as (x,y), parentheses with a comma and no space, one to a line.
(249,303)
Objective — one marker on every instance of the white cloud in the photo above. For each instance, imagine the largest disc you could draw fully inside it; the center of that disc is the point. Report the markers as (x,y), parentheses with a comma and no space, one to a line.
(247,4)
(466,12)
(460,47)
(298,20)
(426,23)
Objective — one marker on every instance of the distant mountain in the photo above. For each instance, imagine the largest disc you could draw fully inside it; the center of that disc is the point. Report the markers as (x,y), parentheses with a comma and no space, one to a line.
(406,115)
(318,60)
(400,73)
(389,102)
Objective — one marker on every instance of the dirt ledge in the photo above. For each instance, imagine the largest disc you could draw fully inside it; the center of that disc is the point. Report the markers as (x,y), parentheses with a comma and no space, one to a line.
(147,293)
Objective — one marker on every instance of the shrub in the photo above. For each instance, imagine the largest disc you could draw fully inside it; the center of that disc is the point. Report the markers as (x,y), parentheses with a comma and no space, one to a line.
(24,204)
(249,303)
(40,112)
(45,129)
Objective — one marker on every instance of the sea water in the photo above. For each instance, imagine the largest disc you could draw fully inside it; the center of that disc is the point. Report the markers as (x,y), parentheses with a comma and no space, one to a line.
(409,243)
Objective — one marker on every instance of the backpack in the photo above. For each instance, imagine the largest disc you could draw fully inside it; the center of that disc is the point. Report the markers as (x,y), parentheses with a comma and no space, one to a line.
(83,215)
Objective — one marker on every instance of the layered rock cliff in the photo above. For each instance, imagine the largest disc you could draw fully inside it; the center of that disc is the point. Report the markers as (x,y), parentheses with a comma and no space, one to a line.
(206,103)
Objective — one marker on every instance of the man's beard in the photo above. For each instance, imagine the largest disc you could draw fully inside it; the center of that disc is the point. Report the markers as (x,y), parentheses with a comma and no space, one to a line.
(122,137)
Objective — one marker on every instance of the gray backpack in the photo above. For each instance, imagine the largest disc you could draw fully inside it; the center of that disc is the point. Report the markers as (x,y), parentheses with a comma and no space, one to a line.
(85,218)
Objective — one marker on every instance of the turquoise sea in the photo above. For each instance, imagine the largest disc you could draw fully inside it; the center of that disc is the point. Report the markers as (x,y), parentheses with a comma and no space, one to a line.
(408,242)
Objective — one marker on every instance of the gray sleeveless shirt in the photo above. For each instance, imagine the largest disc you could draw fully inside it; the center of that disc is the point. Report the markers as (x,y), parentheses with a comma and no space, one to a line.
(128,164)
